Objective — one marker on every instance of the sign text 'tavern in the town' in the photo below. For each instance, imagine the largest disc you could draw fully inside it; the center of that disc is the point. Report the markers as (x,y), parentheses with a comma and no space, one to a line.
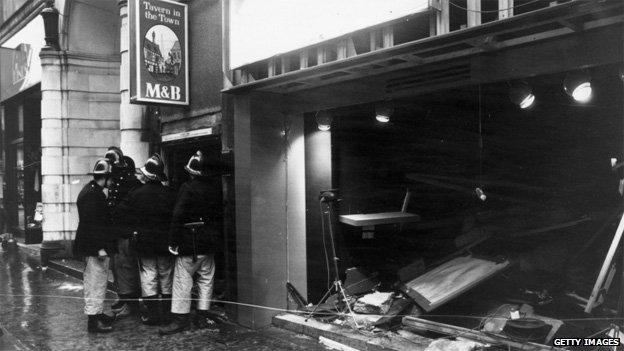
(158,52)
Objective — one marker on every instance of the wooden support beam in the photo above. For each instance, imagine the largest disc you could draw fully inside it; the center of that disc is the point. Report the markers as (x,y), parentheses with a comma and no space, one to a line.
(285,63)
(248,76)
(350,48)
(374,45)
(341,49)
(505,8)
(272,67)
(303,58)
(440,20)
(387,35)
(473,14)
(237,77)
(345,49)
(321,55)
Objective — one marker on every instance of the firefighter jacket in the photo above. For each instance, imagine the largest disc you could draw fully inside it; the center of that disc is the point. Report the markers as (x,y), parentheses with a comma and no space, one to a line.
(94,226)
(122,182)
(147,211)
(199,199)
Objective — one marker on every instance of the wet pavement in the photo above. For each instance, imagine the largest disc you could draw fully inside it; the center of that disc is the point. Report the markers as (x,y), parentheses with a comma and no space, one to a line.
(43,310)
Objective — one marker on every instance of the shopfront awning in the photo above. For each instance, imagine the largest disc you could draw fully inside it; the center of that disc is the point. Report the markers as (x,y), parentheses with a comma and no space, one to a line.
(576,34)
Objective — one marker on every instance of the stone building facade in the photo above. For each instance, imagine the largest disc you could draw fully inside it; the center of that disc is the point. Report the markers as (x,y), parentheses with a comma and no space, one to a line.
(83,91)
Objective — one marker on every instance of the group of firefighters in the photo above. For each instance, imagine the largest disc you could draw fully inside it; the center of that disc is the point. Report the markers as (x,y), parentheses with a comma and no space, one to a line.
(155,239)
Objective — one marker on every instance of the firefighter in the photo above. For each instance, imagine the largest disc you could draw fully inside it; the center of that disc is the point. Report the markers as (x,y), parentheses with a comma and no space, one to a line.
(199,201)
(125,264)
(96,243)
(147,210)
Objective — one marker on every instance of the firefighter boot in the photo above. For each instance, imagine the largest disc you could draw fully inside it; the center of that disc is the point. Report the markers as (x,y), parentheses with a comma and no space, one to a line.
(97,324)
(151,315)
(180,323)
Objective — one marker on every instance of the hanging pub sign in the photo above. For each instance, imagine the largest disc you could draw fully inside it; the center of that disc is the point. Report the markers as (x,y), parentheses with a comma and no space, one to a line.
(158,52)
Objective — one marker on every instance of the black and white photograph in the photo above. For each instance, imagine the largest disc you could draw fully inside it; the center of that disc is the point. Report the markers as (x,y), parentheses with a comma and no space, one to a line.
(273,175)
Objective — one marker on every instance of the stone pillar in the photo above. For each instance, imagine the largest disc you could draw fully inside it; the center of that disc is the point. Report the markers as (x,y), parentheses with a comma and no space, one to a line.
(270,205)
(79,119)
(131,115)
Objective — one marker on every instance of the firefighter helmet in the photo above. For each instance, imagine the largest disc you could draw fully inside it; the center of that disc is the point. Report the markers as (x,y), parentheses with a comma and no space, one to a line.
(196,165)
(154,168)
(115,156)
(102,166)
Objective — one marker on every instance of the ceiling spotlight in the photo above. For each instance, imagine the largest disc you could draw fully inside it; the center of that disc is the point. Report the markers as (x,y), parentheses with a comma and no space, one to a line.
(578,86)
(383,113)
(521,94)
(480,194)
(323,120)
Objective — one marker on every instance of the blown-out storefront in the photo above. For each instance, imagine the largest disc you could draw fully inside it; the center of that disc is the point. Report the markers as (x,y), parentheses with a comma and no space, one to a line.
(20,96)
(468,141)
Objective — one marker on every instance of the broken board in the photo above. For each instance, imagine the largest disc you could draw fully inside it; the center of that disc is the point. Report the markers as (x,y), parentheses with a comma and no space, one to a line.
(450,279)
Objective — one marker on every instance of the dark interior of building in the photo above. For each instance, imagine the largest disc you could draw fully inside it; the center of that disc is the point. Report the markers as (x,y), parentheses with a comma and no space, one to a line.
(551,197)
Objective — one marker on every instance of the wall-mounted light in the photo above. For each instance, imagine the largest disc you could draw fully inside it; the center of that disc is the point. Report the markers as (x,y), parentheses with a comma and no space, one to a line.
(383,113)
(323,120)
(521,94)
(578,86)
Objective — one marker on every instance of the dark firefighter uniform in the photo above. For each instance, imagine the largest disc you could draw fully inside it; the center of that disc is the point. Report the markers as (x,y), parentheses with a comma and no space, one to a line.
(96,243)
(147,210)
(125,264)
(199,200)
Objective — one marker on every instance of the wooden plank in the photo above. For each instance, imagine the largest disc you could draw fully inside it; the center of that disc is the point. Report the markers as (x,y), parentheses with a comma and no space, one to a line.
(451,279)
(605,267)
(418,324)
(473,13)
(272,67)
(372,219)
(347,336)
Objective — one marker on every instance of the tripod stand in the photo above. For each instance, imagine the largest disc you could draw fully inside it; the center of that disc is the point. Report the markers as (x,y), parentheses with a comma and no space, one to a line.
(329,198)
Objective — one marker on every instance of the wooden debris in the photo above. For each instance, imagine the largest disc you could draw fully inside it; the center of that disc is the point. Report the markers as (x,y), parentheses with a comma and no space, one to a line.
(451,279)
(420,325)
(375,303)
(452,345)
(335,345)
(399,307)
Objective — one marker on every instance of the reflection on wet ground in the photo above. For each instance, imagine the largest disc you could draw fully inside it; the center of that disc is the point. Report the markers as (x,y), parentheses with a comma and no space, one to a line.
(43,310)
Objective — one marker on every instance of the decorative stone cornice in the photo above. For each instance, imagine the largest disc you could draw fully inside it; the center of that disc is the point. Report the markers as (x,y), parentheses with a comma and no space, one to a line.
(21,18)
(77,55)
